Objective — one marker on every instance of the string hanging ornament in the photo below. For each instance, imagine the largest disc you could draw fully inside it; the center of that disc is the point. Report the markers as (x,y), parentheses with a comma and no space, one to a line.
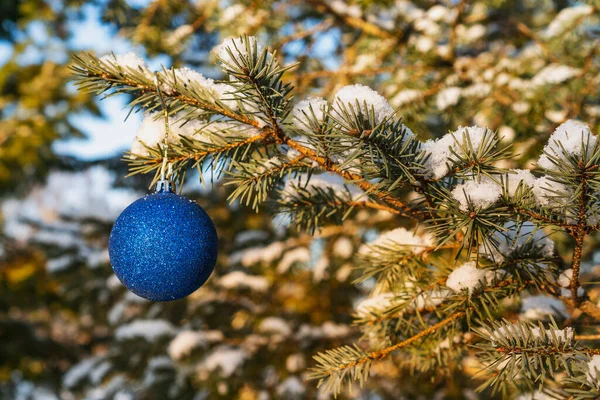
(163,246)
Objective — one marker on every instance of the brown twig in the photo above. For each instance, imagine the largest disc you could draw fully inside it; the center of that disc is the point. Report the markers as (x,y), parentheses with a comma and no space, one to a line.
(579,233)
(380,354)
(368,187)
(322,26)
(587,337)
(355,22)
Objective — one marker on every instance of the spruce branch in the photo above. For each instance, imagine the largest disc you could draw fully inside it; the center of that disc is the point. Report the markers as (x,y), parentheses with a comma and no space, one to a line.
(254,180)
(334,365)
(579,233)
(368,187)
(259,74)
(526,354)
(197,153)
(96,76)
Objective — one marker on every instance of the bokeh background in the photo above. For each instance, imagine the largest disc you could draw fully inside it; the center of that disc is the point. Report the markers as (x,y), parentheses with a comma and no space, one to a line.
(69,330)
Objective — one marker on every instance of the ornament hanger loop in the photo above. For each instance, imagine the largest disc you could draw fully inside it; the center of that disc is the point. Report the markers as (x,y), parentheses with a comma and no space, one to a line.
(166,168)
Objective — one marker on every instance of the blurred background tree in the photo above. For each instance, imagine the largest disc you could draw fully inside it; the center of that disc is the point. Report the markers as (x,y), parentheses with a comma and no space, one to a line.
(71,331)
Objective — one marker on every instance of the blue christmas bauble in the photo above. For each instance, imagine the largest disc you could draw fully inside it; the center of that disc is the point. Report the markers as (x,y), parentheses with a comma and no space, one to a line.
(163,246)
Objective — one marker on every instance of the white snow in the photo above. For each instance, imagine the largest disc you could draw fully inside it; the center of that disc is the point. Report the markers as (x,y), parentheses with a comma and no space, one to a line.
(224,358)
(548,192)
(79,371)
(239,279)
(534,396)
(329,330)
(428,26)
(431,298)
(424,44)
(477,194)
(566,335)
(564,280)
(515,238)
(593,369)
(298,255)
(554,74)
(365,61)
(343,8)
(149,329)
(438,12)
(440,150)
(45,214)
(187,340)
(160,362)
(507,134)
(188,77)
(275,325)
(238,50)
(231,13)
(448,97)
(311,109)
(539,307)
(516,176)
(127,61)
(319,269)
(477,90)
(556,116)
(343,247)
(406,96)
(473,33)
(469,277)
(563,335)
(99,372)
(570,137)
(367,99)
(177,38)
(324,182)
(295,362)
(399,237)
(291,386)
(250,235)
(25,390)
(106,390)
(375,304)
(123,395)
(59,264)
(255,255)
(96,257)
(564,292)
(152,131)
(565,19)
(521,107)
(116,312)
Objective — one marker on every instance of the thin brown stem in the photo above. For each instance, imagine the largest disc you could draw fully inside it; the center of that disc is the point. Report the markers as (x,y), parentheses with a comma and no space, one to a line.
(541,218)
(228,147)
(544,351)
(380,354)
(368,187)
(579,233)
(587,337)
(322,26)
(355,22)
(277,133)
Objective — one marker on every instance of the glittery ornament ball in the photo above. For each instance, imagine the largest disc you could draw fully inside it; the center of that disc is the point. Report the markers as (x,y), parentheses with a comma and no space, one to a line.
(163,246)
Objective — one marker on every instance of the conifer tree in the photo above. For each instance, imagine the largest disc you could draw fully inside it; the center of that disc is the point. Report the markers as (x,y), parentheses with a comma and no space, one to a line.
(475,270)
(481,234)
